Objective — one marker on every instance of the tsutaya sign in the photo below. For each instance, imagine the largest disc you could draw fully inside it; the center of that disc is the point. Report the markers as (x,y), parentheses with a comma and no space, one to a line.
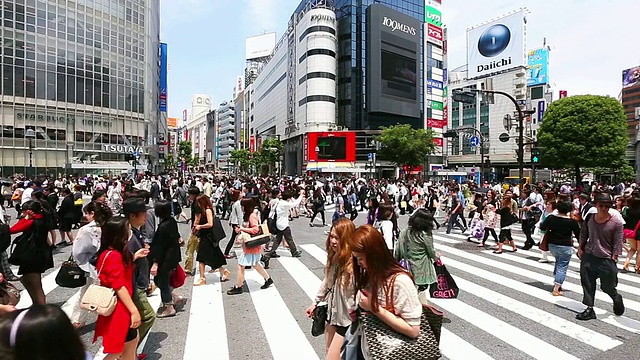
(122,149)
(396,25)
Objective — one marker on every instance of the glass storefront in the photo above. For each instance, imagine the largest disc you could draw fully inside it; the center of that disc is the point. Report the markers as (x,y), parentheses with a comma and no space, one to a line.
(78,73)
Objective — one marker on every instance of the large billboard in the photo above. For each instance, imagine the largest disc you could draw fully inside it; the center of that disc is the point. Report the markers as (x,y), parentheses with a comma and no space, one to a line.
(172,123)
(337,146)
(163,77)
(260,46)
(496,46)
(631,77)
(538,63)
(393,58)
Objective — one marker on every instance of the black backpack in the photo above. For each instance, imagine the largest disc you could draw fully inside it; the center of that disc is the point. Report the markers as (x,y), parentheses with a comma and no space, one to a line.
(348,208)
(271,221)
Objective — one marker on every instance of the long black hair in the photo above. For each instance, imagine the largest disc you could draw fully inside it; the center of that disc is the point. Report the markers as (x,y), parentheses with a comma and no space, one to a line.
(101,212)
(115,234)
(248,205)
(421,220)
(44,333)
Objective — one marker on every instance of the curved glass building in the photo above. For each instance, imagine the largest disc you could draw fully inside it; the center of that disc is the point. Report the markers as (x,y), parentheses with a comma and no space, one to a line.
(84,76)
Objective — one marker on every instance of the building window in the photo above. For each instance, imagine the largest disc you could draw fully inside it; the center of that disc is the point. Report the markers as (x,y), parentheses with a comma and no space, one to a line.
(317,28)
(314,75)
(313,98)
(317,52)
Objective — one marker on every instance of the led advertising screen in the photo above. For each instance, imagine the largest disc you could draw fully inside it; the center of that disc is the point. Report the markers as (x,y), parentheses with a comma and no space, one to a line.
(332,146)
(538,63)
(631,77)
(393,46)
(400,72)
(496,46)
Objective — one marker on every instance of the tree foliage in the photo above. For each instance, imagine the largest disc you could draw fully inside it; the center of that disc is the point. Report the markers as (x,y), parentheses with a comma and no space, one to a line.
(185,149)
(269,152)
(242,159)
(581,131)
(169,162)
(403,145)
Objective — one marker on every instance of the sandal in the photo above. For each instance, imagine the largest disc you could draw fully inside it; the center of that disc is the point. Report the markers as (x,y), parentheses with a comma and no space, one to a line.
(201,281)
(497,251)
(225,275)
(556,293)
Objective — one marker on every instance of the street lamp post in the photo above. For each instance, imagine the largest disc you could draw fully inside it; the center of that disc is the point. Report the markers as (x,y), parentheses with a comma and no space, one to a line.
(30,134)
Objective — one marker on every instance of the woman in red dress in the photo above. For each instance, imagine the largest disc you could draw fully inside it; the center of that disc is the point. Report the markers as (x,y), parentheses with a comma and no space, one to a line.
(115,270)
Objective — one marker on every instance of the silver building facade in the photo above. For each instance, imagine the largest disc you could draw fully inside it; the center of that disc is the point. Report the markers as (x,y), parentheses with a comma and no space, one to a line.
(84,76)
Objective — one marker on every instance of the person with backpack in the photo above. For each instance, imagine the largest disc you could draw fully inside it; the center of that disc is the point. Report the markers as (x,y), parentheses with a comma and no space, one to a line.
(280,213)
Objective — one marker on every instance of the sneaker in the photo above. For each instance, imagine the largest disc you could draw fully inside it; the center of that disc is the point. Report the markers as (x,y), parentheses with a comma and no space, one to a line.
(543,260)
(235,290)
(297,254)
(267,283)
(618,306)
(587,314)
(273,255)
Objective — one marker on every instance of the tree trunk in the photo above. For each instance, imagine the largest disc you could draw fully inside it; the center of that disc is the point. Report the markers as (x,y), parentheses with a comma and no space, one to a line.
(578,175)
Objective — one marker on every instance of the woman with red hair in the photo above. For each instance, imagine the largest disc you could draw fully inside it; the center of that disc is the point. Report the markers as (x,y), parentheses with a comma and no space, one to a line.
(384,288)
(337,287)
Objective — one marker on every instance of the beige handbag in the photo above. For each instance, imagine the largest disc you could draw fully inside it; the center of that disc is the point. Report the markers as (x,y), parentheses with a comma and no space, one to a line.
(98,298)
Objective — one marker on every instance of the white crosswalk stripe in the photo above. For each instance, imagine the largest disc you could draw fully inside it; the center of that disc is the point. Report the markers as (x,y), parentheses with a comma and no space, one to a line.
(504,302)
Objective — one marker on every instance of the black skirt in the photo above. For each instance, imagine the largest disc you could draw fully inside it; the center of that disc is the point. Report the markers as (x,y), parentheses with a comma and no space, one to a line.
(209,254)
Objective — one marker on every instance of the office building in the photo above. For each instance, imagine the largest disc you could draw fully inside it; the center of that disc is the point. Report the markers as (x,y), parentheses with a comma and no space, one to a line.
(197,123)
(225,134)
(80,86)
(630,98)
(342,66)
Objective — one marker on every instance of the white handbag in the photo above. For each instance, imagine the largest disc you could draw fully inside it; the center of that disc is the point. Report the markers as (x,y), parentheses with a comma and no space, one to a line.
(98,298)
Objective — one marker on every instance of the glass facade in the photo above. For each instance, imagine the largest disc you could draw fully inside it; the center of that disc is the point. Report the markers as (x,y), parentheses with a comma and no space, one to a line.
(352,62)
(84,75)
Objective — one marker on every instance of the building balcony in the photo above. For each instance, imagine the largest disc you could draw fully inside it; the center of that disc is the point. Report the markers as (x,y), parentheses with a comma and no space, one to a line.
(227,126)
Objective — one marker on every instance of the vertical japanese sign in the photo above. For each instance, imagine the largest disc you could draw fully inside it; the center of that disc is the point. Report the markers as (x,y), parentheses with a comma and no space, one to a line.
(163,77)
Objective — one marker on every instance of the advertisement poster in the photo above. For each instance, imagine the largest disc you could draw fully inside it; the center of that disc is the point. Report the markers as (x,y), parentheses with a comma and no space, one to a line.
(631,77)
(434,34)
(496,46)
(538,67)
(436,105)
(438,141)
(433,16)
(435,123)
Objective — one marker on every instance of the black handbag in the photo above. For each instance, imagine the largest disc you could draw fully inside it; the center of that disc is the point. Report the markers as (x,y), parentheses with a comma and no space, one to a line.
(5,237)
(445,287)
(218,231)
(71,275)
(319,319)
(23,249)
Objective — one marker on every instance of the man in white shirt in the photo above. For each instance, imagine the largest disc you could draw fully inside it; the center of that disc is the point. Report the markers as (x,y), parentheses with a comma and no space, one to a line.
(281,207)
(26,194)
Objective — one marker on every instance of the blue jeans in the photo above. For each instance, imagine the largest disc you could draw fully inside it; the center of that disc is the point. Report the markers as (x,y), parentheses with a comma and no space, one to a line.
(563,254)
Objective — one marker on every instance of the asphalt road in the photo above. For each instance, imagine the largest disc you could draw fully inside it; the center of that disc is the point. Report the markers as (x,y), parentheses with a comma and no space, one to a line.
(504,311)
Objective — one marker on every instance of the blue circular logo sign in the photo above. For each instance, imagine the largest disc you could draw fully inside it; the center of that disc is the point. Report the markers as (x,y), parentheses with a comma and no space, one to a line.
(494,40)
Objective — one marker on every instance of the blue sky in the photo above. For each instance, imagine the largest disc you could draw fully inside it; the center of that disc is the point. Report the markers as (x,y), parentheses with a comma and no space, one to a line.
(591,43)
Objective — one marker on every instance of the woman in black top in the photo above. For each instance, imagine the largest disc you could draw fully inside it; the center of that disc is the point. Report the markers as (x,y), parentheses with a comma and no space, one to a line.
(67,215)
(558,228)
(506,220)
(165,256)
(632,217)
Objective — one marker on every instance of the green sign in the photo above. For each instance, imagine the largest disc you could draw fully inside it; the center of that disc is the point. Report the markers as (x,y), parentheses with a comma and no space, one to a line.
(445,92)
(436,105)
(433,16)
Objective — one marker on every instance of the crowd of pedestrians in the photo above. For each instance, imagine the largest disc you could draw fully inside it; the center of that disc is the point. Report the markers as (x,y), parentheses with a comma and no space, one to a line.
(128,241)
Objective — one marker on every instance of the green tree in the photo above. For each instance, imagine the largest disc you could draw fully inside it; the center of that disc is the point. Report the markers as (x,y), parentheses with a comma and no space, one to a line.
(185,148)
(269,154)
(584,130)
(170,162)
(404,145)
(242,159)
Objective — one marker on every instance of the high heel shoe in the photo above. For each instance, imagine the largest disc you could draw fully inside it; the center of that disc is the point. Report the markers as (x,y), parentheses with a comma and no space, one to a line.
(201,281)
(225,275)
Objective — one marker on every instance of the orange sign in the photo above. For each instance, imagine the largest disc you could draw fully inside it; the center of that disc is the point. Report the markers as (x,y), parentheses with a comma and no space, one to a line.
(172,123)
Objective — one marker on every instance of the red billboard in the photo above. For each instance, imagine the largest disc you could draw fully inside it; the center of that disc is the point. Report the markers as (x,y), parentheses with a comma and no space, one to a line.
(438,141)
(332,146)
(252,143)
(435,123)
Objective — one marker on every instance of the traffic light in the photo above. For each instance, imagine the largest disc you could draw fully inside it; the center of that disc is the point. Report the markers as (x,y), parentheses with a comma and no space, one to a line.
(535,155)
(450,134)
(462,96)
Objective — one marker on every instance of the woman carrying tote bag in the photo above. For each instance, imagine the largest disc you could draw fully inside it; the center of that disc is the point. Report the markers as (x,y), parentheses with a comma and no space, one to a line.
(119,330)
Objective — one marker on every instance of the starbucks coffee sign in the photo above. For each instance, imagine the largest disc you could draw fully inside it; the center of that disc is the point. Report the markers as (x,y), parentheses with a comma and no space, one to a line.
(62,119)
(122,149)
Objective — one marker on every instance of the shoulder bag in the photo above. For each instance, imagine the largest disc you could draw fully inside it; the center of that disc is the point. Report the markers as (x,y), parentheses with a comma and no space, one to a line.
(100,299)
(9,294)
(71,275)
(631,234)
(384,343)
(23,249)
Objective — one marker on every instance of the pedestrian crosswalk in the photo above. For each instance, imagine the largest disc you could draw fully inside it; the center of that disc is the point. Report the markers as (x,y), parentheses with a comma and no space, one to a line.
(505,310)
